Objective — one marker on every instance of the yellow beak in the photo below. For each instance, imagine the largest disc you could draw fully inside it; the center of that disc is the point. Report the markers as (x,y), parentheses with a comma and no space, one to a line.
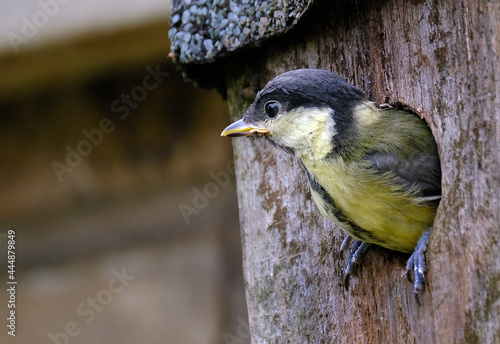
(240,128)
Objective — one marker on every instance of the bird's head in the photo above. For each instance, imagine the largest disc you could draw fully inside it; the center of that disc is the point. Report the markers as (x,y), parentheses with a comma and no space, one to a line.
(305,111)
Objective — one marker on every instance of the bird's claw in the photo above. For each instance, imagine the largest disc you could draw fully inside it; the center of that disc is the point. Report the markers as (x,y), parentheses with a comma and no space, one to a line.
(417,263)
(347,240)
(357,251)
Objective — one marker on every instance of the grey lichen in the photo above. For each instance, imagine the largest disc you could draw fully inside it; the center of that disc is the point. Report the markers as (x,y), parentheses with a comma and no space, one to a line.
(203,30)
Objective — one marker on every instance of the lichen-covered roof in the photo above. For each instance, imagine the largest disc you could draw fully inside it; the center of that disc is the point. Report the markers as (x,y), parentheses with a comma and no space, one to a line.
(203,30)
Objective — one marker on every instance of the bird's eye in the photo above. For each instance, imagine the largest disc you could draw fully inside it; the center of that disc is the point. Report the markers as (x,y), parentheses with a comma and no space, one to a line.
(271,108)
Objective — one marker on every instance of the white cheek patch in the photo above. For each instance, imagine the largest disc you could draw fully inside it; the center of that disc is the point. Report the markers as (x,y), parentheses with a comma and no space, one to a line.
(308,131)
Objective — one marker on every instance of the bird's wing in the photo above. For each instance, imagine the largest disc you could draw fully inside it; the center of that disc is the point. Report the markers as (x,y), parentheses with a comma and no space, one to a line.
(422,172)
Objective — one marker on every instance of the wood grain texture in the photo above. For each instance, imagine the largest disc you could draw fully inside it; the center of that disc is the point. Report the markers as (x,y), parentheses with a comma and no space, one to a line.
(442,60)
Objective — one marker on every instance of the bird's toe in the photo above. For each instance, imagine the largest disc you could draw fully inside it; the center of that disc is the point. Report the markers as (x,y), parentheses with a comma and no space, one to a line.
(357,251)
(417,263)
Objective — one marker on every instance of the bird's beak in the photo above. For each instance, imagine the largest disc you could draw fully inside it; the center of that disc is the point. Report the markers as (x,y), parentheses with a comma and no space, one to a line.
(240,128)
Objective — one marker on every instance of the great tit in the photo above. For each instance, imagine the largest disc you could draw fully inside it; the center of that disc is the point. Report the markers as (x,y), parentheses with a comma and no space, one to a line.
(373,171)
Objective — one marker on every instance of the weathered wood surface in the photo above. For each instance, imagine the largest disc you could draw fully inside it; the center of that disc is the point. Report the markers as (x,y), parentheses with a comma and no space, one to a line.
(442,60)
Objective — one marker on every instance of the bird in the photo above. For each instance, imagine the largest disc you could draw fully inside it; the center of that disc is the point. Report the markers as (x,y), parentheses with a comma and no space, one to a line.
(374,171)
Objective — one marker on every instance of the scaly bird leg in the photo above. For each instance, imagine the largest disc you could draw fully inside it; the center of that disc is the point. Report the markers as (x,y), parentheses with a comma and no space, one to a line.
(416,262)
(358,249)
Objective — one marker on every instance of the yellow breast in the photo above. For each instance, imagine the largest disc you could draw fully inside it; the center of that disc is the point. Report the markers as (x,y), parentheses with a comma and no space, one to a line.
(394,217)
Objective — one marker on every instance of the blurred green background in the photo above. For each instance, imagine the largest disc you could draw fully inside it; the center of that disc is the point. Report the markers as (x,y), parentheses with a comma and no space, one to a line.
(116,181)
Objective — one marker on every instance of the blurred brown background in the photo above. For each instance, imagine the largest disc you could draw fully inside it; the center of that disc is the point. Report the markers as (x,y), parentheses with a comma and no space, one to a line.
(116,181)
